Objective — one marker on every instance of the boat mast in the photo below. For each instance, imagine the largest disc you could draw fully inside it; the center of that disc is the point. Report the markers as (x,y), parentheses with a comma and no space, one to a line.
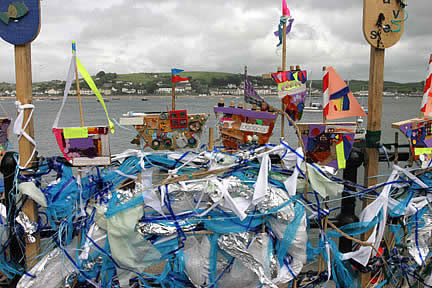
(284,29)
(310,88)
(172,92)
(77,84)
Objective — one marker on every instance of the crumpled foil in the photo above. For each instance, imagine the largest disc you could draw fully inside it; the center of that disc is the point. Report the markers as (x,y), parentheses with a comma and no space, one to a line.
(274,198)
(235,188)
(163,230)
(49,272)
(424,239)
(29,227)
(234,245)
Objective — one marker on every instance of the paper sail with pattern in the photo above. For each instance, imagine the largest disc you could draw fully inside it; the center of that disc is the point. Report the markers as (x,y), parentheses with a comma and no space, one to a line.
(292,91)
(338,100)
(419,133)
(328,144)
(83,146)
(250,95)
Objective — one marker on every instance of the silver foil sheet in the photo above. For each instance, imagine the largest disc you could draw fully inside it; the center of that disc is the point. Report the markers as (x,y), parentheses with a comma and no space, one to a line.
(274,198)
(423,241)
(162,230)
(234,245)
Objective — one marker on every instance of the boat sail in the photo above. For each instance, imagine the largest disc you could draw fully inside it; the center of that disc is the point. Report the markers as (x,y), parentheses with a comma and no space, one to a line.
(330,143)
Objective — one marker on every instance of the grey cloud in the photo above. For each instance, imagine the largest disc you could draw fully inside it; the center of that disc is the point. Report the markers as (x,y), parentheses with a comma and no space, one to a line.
(126,36)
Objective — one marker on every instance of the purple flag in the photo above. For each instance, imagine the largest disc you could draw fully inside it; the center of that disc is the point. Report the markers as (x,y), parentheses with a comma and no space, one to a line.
(251,96)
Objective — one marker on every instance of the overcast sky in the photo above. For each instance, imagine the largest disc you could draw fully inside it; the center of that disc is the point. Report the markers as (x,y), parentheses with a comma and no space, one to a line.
(129,36)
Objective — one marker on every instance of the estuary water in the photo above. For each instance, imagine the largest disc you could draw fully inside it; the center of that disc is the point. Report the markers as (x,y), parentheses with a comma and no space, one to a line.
(45,112)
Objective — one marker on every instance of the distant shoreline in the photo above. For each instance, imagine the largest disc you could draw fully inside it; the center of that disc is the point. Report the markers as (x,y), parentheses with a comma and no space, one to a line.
(177,96)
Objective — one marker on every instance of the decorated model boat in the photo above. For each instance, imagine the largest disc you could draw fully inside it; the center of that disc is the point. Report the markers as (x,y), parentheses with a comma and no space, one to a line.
(83,146)
(175,129)
(170,130)
(330,143)
(239,126)
(419,130)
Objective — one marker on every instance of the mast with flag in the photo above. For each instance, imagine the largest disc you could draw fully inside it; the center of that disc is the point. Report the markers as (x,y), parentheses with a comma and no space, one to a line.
(175,79)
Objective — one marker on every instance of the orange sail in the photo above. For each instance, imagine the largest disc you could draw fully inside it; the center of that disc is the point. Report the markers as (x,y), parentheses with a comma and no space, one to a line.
(338,100)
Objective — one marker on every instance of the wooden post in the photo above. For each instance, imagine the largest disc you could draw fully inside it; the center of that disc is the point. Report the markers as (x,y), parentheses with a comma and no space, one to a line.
(396,149)
(376,84)
(211,142)
(23,74)
(283,69)
(78,86)
(172,94)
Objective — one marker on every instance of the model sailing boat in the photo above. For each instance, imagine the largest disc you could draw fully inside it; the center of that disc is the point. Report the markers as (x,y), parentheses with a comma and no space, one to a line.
(419,130)
(171,130)
(83,146)
(330,143)
(240,127)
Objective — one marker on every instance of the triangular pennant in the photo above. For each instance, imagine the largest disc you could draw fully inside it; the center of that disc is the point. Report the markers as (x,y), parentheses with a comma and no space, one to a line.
(341,103)
(178,79)
(176,71)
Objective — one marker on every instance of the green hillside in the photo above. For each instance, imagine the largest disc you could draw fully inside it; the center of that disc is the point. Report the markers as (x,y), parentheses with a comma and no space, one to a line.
(357,85)
(203,77)
(201,81)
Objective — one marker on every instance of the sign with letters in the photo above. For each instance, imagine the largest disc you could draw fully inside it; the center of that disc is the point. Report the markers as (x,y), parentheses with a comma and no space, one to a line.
(383,22)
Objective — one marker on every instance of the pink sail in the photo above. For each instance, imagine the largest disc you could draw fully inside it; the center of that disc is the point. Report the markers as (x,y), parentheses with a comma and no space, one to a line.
(338,100)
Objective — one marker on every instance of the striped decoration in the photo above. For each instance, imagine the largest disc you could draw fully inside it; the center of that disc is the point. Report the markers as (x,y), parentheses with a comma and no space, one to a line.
(427,92)
(326,92)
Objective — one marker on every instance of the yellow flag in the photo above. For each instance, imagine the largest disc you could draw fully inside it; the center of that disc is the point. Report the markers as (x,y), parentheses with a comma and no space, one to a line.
(93,87)
(340,154)
(75,132)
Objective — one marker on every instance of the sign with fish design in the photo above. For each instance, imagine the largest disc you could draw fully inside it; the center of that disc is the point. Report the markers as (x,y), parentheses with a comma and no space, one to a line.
(19,21)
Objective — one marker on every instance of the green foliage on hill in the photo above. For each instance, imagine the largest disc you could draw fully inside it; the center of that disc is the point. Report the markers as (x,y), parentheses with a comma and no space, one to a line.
(358,85)
(201,82)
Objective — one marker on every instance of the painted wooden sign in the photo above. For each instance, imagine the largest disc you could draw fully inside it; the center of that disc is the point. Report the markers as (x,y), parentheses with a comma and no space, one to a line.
(419,133)
(168,130)
(383,22)
(19,21)
(328,144)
